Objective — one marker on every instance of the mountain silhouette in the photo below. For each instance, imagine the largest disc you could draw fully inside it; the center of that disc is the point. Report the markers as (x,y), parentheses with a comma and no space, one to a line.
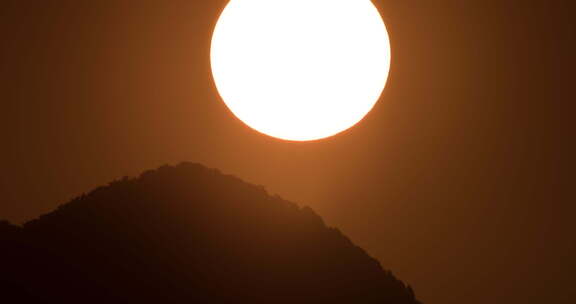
(189,234)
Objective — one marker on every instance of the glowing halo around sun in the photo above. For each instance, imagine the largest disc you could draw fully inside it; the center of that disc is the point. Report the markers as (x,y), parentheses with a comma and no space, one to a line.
(300,69)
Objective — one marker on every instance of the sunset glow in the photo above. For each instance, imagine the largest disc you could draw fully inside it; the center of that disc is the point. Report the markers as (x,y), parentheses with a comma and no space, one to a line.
(300,69)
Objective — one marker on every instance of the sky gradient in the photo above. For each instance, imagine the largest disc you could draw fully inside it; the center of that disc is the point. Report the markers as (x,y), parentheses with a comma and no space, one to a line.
(459,180)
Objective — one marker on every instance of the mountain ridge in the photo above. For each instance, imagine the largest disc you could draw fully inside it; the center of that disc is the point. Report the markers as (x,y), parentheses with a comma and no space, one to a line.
(187,232)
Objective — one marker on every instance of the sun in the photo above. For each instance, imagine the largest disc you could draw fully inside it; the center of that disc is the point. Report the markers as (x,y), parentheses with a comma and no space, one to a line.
(300,70)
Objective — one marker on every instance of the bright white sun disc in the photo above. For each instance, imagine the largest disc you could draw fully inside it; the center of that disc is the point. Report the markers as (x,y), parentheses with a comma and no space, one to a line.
(300,69)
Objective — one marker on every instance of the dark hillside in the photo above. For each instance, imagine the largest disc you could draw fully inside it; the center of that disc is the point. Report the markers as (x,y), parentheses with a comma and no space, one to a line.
(188,234)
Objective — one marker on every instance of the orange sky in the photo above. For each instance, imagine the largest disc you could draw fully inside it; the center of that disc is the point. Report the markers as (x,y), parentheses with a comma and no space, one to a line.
(458,180)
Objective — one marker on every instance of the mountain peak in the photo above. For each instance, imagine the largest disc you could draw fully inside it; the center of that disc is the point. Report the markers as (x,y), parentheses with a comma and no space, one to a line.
(189,233)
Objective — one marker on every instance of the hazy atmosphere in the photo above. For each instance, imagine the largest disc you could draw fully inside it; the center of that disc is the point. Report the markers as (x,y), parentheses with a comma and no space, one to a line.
(459,180)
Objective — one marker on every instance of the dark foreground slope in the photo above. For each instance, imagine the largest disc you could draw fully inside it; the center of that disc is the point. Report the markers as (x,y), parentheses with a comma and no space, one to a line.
(187,234)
